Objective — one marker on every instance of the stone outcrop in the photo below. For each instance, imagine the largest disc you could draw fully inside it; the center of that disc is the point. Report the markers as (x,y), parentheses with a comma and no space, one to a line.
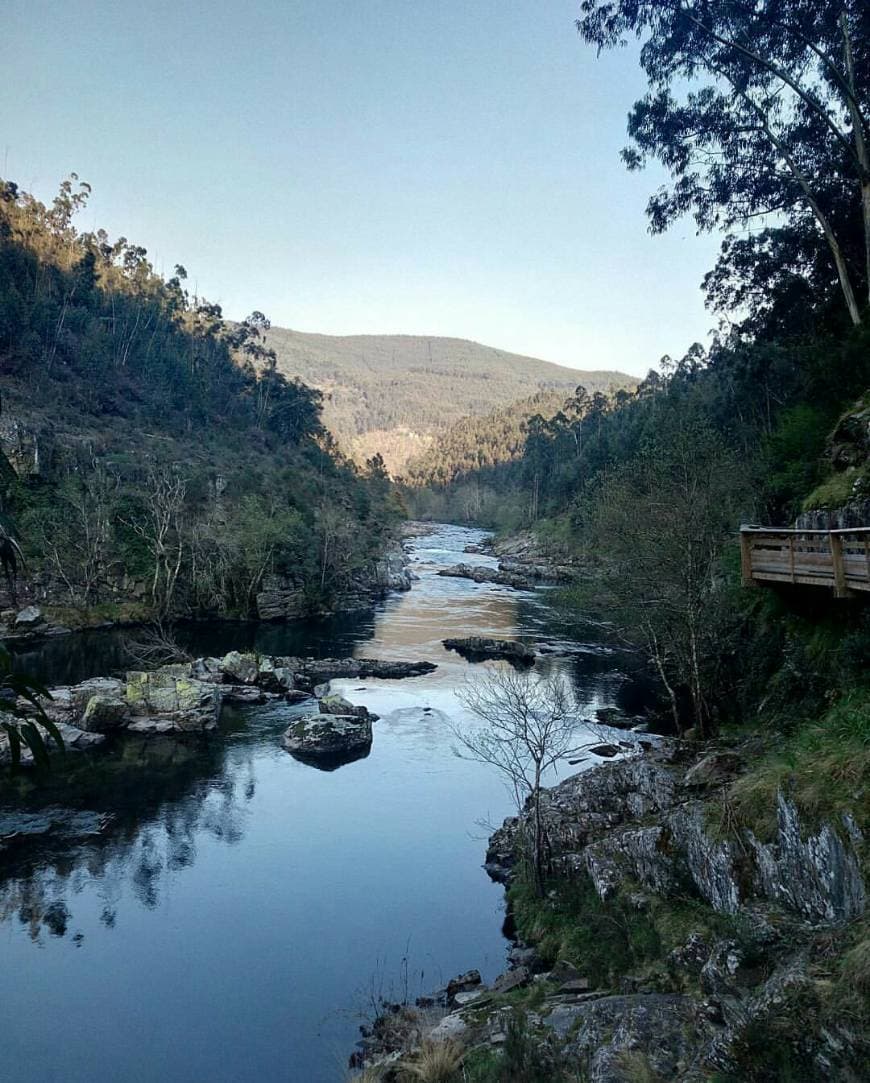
(311,672)
(743,975)
(641,819)
(524,554)
(171,695)
(477,649)
(329,740)
(186,698)
(479,574)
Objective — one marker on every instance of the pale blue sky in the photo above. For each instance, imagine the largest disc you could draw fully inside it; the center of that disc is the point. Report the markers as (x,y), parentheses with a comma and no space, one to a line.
(444,167)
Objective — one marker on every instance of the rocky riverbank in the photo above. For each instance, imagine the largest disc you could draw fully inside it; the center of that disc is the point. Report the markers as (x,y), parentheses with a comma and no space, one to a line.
(185,699)
(673,941)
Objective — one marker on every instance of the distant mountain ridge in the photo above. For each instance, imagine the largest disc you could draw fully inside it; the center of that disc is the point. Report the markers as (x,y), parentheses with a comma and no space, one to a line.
(394,394)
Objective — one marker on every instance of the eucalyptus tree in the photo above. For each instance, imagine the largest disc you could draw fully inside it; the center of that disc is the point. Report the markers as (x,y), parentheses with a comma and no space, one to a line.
(758,108)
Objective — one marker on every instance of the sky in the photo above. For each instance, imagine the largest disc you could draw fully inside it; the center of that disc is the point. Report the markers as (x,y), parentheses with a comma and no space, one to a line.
(438,167)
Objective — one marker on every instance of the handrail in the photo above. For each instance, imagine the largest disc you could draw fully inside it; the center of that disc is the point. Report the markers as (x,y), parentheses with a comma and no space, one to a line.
(838,558)
(794,530)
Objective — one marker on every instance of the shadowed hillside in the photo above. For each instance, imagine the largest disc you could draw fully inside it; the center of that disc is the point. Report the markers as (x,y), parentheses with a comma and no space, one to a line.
(392,393)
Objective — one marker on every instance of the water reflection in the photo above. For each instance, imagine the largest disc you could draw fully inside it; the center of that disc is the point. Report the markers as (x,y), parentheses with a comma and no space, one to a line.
(151,801)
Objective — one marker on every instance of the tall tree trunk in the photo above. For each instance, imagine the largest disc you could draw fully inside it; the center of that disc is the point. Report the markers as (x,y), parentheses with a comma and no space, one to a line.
(861,151)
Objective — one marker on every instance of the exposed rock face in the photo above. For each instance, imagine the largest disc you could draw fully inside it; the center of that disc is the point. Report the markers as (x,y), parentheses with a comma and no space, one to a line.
(170,694)
(524,554)
(280,599)
(329,740)
(488,575)
(598,823)
(816,874)
(660,1026)
(476,648)
(641,832)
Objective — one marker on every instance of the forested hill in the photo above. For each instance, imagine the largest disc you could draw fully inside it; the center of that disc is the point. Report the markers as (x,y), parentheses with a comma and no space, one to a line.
(392,393)
(151,456)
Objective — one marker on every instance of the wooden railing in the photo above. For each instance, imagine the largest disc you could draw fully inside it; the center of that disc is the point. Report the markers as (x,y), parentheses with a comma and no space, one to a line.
(816,558)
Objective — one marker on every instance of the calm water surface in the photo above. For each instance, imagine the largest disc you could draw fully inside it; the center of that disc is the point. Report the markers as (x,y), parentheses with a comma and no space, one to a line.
(218,911)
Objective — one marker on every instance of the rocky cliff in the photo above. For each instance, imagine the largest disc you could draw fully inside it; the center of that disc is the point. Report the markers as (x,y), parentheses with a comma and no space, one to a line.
(674,941)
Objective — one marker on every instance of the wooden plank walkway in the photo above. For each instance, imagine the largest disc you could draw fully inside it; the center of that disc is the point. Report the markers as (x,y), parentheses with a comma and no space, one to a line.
(837,559)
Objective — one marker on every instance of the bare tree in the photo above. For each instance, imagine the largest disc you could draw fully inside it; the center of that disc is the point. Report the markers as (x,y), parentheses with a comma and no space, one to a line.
(161,528)
(529,727)
(155,645)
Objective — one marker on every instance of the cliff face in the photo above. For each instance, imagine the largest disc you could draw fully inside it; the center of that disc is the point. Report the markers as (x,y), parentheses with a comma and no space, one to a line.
(652,835)
(842,501)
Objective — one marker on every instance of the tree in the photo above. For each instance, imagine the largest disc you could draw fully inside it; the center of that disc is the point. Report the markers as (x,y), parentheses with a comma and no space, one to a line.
(662,519)
(160,526)
(529,727)
(757,109)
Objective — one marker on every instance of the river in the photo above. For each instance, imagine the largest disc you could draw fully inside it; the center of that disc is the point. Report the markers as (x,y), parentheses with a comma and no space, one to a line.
(219,911)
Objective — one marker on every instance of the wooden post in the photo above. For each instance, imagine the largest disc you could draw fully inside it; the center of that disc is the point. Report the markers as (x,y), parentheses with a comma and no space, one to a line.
(840,588)
(746,558)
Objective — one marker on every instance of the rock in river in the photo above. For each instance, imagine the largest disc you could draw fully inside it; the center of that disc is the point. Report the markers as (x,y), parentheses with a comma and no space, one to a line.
(311,672)
(328,740)
(478,574)
(476,648)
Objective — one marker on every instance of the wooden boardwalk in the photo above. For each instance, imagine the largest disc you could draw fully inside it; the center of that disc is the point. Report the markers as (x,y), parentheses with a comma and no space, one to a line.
(837,559)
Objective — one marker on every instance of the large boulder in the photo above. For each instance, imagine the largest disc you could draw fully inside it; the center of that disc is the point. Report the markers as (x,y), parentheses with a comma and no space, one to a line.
(28,618)
(240,668)
(328,740)
(104,713)
(275,676)
(478,574)
(171,694)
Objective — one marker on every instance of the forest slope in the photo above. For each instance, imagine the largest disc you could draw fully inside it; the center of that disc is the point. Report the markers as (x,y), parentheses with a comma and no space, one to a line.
(392,393)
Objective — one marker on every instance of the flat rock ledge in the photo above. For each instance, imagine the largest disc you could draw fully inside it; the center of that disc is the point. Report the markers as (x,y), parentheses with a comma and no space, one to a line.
(479,649)
(478,574)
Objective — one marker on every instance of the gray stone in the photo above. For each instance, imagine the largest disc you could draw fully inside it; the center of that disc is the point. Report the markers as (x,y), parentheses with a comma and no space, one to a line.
(328,737)
(477,648)
(104,713)
(511,979)
(817,873)
(29,617)
(191,705)
(464,983)
(240,668)
(339,705)
(478,574)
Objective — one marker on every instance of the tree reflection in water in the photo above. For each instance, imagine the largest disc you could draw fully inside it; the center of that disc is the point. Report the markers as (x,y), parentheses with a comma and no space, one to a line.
(127,818)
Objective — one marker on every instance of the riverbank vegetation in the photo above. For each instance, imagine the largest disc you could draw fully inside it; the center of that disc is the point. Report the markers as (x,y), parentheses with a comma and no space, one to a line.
(152,458)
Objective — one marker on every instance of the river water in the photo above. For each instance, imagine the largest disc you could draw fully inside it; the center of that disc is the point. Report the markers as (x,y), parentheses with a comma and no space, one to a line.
(218,911)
